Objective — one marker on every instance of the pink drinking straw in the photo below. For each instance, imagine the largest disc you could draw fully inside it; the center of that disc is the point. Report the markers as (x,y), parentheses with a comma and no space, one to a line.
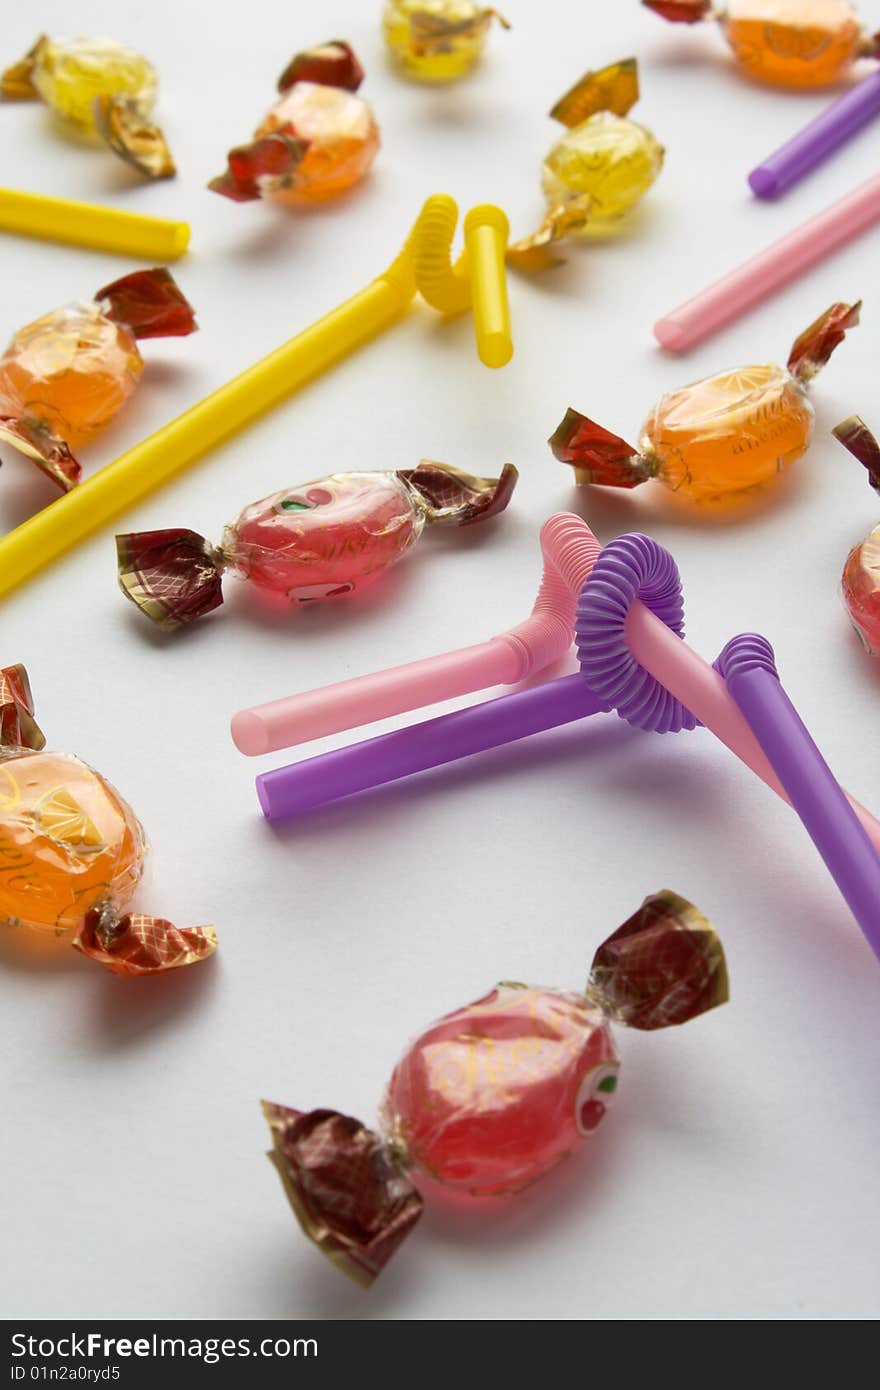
(655,647)
(767,272)
(569,549)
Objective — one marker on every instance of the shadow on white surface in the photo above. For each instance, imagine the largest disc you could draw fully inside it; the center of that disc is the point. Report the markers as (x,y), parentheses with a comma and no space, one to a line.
(126,1014)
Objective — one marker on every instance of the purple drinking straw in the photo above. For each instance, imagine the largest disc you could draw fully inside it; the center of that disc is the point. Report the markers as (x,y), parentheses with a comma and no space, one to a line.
(832,128)
(748,666)
(629,567)
(289,791)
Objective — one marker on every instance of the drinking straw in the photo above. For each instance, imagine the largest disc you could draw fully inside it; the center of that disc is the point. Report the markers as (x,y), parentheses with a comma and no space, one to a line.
(764,274)
(569,550)
(98,228)
(819,139)
(291,790)
(300,787)
(649,642)
(144,468)
(486,230)
(748,666)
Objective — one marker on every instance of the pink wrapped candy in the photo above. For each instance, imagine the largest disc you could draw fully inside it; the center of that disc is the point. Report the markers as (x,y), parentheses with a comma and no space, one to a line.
(316,541)
(493,1096)
(860,583)
(554,1057)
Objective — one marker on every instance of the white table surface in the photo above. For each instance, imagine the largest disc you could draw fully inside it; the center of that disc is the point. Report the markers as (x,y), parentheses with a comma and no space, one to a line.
(737,1176)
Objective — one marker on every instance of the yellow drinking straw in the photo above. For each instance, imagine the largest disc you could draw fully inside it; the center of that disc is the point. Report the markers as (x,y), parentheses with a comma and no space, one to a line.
(423,264)
(99,228)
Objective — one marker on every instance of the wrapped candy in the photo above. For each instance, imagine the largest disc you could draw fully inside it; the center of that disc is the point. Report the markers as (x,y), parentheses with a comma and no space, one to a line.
(316,541)
(317,141)
(72,853)
(596,173)
(64,377)
(493,1096)
(717,438)
(790,43)
(860,583)
(437,40)
(101,89)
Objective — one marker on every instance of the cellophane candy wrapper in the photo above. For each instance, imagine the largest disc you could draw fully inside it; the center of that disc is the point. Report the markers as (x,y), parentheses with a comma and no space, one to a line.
(597,172)
(437,40)
(72,852)
(789,43)
(316,541)
(65,376)
(717,438)
(860,584)
(102,89)
(493,1096)
(317,141)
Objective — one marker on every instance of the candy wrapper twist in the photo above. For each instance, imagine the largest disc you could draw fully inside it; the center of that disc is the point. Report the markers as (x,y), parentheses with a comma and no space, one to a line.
(316,541)
(493,1096)
(789,43)
(318,140)
(64,376)
(101,89)
(717,438)
(597,172)
(72,852)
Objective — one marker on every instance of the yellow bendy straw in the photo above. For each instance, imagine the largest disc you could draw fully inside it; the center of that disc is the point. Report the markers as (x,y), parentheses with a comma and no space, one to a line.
(423,264)
(98,228)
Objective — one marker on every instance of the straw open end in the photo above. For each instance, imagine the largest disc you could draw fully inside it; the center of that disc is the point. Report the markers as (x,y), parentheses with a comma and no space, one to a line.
(495,349)
(179,239)
(249,733)
(263,797)
(763,182)
(670,334)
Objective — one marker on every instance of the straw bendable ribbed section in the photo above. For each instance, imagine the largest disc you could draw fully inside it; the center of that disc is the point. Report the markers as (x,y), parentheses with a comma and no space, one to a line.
(444,285)
(570,550)
(631,567)
(747,652)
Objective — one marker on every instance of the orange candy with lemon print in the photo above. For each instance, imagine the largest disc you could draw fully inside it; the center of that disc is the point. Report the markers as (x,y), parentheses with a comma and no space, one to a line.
(72,852)
(717,439)
(67,842)
(788,43)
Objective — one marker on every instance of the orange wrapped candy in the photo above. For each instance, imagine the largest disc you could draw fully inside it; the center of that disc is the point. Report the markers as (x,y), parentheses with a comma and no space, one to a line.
(317,141)
(72,852)
(790,43)
(64,376)
(717,438)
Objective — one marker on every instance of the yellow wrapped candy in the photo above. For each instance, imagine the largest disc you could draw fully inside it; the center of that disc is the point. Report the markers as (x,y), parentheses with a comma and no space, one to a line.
(599,169)
(437,40)
(100,88)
